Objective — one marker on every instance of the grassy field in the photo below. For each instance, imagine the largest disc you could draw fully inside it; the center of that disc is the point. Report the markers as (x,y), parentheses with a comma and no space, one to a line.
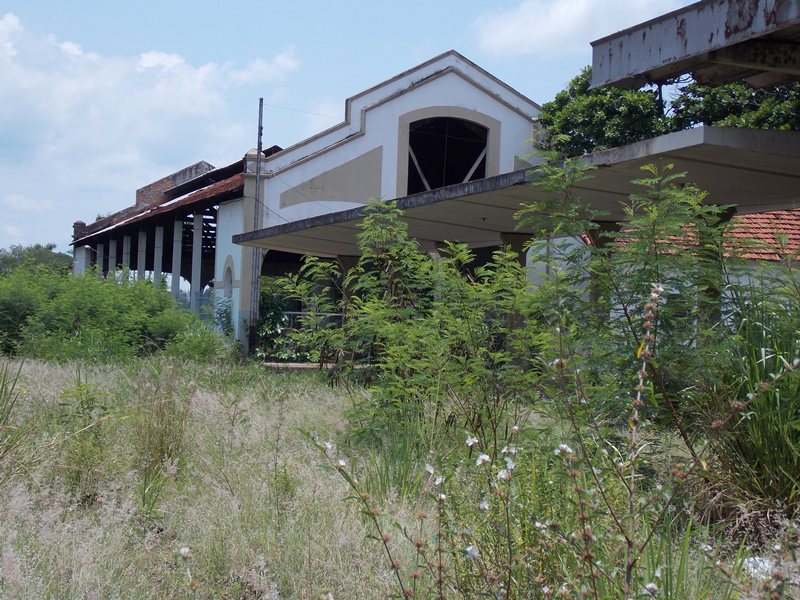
(94,515)
(165,479)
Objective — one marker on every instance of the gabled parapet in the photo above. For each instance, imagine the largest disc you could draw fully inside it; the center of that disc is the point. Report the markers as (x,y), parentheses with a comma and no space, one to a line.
(440,123)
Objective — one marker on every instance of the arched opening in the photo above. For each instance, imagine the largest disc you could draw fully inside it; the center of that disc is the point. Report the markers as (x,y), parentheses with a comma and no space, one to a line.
(444,151)
(227,283)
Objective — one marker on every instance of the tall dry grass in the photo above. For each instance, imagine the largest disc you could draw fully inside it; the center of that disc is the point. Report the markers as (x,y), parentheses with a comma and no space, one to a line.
(237,486)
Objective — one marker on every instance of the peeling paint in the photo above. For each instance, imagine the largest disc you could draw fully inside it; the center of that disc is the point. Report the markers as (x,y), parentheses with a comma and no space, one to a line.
(778,13)
(740,17)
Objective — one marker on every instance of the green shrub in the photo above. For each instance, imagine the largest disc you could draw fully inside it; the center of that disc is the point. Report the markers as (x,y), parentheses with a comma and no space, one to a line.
(23,292)
(198,343)
(57,316)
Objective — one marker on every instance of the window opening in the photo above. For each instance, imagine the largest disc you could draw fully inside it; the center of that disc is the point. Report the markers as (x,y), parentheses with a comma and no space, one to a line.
(444,151)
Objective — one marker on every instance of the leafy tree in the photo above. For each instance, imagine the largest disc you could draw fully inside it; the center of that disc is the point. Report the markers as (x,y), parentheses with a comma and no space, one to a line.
(37,254)
(581,119)
(736,105)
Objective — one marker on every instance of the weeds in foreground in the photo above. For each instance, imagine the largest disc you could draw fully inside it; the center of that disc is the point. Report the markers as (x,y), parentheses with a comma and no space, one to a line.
(11,434)
(609,539)
(615,362)
(161,419)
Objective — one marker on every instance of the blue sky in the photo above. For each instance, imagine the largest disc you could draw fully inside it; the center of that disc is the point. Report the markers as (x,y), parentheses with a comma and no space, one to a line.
(99,98)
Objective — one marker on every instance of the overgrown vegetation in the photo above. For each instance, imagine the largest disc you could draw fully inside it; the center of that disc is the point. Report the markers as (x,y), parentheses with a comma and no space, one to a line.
(47,313)
(639,358)
(622,423)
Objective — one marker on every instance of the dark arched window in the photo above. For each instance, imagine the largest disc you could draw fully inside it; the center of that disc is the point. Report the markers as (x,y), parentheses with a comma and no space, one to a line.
(443,151)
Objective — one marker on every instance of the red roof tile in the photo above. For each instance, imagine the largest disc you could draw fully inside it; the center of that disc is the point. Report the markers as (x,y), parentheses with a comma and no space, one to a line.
(767,236)
(225,189)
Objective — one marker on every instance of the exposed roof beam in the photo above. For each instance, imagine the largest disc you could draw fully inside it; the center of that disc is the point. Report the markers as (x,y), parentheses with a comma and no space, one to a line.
(781,57)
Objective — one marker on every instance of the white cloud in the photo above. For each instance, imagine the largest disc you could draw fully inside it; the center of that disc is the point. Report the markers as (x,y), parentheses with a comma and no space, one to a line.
(9,25)
(20,203)
(162,60)
(71,48)
(81,131)
(550,28)
(261,70)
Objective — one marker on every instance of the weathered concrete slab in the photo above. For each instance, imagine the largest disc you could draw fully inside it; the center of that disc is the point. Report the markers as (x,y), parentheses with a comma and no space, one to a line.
(717,40)
(757,170)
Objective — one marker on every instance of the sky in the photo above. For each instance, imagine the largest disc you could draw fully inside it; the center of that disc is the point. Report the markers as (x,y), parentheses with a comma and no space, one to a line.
(100,98)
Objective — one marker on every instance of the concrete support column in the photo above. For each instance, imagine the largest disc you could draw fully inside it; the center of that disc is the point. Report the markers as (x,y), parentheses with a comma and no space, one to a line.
(81,260)
(101,249)
(141,259)
(126,252)
(112,258)
(158,256)
(177,250)
(197,257)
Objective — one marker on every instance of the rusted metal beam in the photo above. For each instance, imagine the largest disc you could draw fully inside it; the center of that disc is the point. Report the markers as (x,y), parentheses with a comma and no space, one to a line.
(683,40)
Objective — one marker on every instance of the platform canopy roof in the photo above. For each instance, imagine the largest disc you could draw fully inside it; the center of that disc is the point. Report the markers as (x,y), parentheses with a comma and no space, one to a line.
(718,41)
(756,170)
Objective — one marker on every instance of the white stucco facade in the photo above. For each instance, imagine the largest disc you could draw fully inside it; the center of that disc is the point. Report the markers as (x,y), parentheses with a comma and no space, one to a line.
(366,156)
(228,260)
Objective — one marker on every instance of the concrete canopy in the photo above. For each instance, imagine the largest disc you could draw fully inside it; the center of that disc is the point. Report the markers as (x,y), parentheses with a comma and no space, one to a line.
(755,170)
(718,41)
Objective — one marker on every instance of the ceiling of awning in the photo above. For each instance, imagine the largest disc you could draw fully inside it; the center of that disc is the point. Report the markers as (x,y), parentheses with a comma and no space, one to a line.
(756,170)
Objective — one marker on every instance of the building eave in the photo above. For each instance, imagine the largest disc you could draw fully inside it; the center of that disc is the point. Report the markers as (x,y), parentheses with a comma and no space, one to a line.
(756,170)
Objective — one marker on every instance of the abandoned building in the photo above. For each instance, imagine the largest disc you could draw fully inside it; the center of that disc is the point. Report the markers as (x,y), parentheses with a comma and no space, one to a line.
(444,122)
(449,142)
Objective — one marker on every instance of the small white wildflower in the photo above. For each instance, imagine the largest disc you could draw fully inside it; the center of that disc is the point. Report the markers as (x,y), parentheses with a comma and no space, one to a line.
(515,429)
(484,505)
(472,552)
(341,464)
(650,589)
(185,552)
(505,475)
(429,469)
(328,446)
(438,481)
(471,441)
(512,449)
(510,464)
(563,449)
(708,549)
(758,567)
(546,590)
(441,497)
(483,459)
